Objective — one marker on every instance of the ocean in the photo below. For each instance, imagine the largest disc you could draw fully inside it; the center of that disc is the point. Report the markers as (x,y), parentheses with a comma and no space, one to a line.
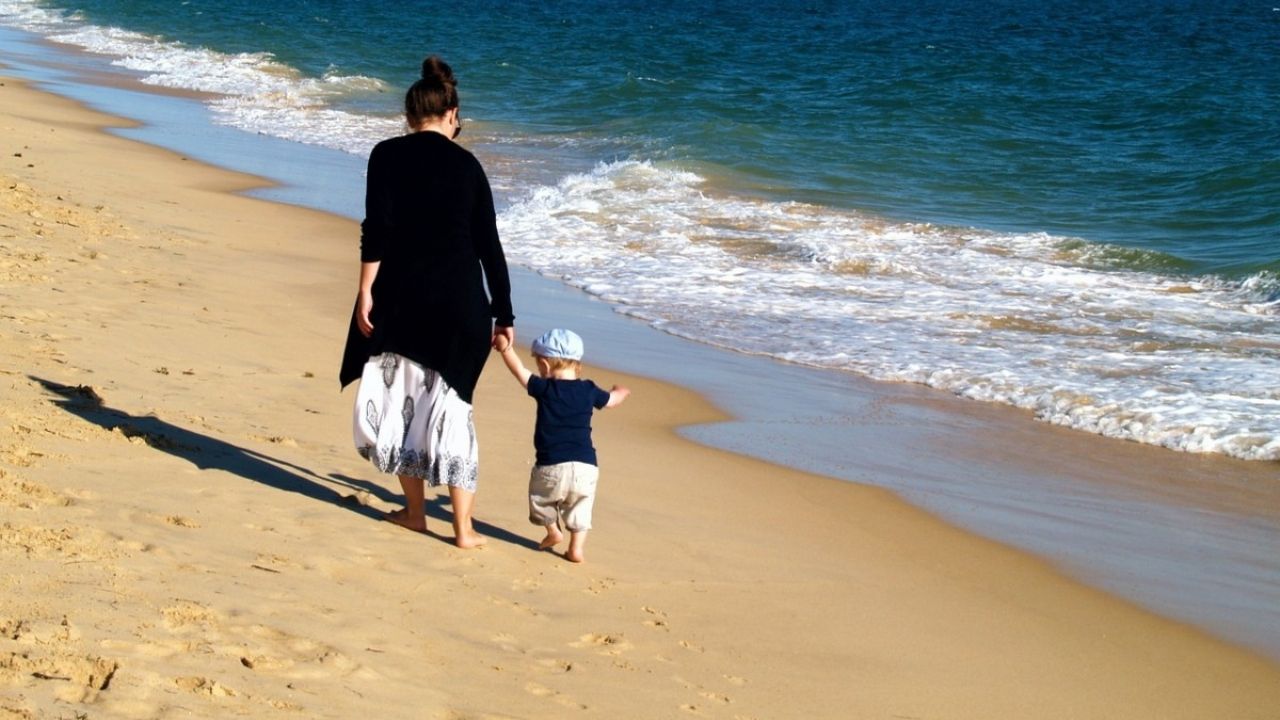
(1069,209)
(1074,210)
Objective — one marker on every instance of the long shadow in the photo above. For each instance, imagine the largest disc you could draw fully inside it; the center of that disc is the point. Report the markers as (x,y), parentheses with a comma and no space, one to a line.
(208,453)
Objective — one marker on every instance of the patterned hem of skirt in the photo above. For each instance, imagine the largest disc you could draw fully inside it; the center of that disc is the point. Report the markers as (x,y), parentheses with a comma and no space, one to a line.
(409,422)
(451,471)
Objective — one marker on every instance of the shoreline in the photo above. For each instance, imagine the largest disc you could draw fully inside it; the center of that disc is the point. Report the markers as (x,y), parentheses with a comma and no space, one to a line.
(687,600)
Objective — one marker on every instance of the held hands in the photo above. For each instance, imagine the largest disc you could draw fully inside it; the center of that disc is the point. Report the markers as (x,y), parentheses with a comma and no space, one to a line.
(504,341)
(503,338)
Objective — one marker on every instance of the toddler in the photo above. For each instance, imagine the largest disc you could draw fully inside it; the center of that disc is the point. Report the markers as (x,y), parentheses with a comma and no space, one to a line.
(562,486)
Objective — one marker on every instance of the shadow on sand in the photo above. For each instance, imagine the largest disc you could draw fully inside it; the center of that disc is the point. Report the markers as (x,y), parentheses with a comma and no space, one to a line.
(208,453)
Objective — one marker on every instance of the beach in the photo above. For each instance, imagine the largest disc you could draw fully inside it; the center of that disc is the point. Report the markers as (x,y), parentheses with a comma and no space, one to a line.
(187,531)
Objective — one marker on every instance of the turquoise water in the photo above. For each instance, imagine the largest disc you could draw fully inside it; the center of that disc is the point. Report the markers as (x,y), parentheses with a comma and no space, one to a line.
(1069,209)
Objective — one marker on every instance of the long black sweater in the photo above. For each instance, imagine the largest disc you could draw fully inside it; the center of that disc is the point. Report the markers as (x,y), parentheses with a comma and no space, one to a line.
(429,219)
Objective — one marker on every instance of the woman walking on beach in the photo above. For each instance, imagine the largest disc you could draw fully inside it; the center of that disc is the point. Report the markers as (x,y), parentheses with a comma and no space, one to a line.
(423,323)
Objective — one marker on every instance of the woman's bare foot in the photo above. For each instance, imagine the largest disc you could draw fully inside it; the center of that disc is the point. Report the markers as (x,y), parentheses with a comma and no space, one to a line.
(401,517)
(470,539)
(553,538)
(464,535)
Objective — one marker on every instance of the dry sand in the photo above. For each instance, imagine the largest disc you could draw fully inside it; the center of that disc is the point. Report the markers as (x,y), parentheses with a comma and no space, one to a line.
(185,530)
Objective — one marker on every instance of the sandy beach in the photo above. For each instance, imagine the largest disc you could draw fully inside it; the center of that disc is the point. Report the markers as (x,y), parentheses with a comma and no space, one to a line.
(186,531)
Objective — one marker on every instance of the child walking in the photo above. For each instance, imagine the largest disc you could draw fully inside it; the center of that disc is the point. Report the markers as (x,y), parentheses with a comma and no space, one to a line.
(562,486)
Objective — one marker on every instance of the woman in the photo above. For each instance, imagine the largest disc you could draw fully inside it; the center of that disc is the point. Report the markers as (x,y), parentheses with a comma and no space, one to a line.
(423,324)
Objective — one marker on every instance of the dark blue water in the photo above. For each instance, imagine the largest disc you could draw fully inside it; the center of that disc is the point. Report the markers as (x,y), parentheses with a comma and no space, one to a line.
(1149,124)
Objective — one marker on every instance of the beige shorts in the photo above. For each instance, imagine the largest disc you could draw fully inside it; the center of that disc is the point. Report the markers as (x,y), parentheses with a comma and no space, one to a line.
(563,492)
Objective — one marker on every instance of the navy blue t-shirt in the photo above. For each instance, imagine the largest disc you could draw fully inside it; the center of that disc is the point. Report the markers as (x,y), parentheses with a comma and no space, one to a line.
(562,432)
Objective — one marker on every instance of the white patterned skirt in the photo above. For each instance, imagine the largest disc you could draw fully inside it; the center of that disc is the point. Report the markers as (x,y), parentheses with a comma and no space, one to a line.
(408,421)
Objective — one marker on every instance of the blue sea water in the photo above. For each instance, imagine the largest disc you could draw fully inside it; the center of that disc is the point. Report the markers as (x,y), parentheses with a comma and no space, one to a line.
(1070,209)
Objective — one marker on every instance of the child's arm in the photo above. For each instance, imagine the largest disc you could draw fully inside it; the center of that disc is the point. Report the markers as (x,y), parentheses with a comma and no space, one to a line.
(617,394)
(517,368)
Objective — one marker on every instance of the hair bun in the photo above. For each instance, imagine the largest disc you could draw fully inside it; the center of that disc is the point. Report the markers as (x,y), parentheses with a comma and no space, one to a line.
(433,68)
(432,95)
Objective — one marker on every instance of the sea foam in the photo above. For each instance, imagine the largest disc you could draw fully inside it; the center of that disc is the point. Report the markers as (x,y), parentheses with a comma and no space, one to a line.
(1182,362)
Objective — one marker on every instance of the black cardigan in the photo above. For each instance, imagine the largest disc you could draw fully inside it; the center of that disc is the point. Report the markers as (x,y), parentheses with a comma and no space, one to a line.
(429,219)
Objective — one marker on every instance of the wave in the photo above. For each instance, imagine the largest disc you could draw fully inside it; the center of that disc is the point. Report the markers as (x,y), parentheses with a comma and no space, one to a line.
(251,91)
(1092,337)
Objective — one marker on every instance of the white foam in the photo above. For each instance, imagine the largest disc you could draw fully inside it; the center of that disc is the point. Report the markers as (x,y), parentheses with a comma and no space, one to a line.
(1022,319)
(255,92)
(31,16)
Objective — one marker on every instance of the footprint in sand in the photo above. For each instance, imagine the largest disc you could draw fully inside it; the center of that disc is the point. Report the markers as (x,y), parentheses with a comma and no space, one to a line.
(514,606)
(204,686)
(543,691)
(27,495)
(525,584)
(657,619)
(556,664)
(179,521)
(187,613)
(37,632)
(275,440)
(265,663)
(600,585)
(507,642)
(273,563)
(34,541)
(712,698)
(79,678)
(20,456)
(715,697)
(276,650)
(609,644)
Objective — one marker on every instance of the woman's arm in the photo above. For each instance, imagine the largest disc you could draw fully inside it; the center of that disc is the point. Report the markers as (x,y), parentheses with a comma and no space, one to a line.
(364,303)
(484,234)
(374,232)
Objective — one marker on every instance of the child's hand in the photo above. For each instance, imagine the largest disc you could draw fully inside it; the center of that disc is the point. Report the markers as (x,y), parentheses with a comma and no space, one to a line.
(500,343)
(616,395)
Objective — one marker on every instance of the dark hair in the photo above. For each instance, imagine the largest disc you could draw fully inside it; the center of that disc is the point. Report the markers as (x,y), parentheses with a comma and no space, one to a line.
(432,95)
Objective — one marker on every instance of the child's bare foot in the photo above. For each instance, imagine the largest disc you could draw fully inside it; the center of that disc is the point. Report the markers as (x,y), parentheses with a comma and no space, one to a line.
(553,538)
(401,517)
(577,540)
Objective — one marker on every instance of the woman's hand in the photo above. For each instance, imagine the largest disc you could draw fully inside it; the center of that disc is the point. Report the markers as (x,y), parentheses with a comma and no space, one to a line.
(364,302)
(503,338)
(363,307)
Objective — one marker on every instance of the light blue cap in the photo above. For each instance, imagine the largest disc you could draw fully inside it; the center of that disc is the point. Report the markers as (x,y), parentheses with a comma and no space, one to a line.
(559,343)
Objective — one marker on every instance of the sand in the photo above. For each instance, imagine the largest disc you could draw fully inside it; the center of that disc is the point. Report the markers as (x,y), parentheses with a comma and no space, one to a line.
(186,531)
